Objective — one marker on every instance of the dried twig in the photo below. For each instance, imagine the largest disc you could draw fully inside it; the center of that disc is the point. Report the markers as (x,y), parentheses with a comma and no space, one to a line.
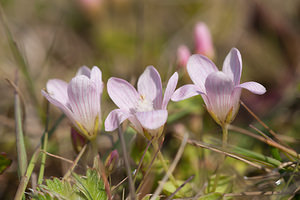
(172,167)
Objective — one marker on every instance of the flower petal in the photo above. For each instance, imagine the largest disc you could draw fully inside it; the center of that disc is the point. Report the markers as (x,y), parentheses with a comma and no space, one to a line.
(185,92)
(96,76)
(199,67)
(152,119)
(253,87)
(84,70)
(149,85)
(84,100)
(115,118)
(232,65)
(122,93)
(171,86)
(64,108)
(57,89)
(219,88)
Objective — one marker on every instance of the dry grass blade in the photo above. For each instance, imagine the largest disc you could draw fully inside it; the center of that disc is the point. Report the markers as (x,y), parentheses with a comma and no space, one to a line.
(127,165)
(171,168)
(58,157)
(265,140)
(215,149)
(69,172)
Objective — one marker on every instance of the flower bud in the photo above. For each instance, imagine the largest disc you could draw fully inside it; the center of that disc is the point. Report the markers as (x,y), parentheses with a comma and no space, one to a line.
(78,140)
(111,161)
(203,41)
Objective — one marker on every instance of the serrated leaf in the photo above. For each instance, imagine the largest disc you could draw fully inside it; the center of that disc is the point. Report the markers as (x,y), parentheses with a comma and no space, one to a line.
(4,162)
(91,186)
(211,196)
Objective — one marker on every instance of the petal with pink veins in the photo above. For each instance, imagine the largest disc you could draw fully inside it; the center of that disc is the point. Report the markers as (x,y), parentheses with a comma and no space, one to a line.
(122,93)
(96,76)
(64,108)
(219,88)
(185,92)
(253,87)
(171,86)
(149,85)
(199,67)
(152,119)
(84,101)
(115,118)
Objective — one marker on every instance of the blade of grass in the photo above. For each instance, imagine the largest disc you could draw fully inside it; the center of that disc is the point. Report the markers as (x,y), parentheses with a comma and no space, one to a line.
(21,62)
(24,181)
(21,149)
(44,147)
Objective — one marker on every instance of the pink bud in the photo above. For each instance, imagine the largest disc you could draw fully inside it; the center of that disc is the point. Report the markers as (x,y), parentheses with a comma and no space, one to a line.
(78,140)
(183,54)
(91,7)
(111,160)
(203,41)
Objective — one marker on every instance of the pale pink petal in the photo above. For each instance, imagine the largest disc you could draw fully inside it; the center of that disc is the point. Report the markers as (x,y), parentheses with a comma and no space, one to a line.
(152,119)
(219,88)
(64,108)
(96,76)
(185,92)
(115,118)
(183,54)
(235,98)
(149,85)
(199,67)
(171,86)
(253,87)
(57,89)
(84,100)
(84,70)
(232,65)
(122,93)
(136,124)
(203,40)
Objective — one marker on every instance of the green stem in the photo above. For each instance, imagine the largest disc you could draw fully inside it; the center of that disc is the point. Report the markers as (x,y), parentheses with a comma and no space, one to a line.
(224,145)
(43,160)
(163,161)
(25,179)
(225,135)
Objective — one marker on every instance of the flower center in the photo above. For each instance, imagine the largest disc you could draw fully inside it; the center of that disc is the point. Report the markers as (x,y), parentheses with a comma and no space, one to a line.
(144,105)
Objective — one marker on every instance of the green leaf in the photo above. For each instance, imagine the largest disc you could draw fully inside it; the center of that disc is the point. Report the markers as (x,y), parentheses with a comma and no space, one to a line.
(170,188)
(211,196)
(224,184)
(4,162)
(91,187)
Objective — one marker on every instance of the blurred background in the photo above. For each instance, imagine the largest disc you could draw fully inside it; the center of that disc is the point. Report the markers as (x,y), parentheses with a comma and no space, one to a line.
(122,37)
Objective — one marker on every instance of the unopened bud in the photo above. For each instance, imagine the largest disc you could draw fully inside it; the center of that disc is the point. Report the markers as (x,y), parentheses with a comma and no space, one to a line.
(111,161)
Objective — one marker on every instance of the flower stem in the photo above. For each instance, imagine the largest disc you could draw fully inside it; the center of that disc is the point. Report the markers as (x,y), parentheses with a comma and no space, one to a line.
(163,161)
(225,135)
(224,145)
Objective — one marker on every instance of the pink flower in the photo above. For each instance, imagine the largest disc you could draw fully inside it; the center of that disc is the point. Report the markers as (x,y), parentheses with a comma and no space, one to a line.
(183,54)
(145,108)
(79,100)
(220,90)
(203,41)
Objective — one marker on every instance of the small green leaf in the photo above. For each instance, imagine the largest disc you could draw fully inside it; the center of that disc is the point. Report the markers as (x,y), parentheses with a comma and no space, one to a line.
(4,162)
